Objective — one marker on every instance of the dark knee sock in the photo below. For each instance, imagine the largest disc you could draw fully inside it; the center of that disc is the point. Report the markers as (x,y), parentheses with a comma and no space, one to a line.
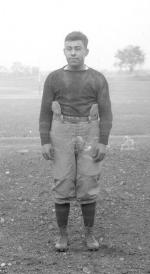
(88,212)
(62,213)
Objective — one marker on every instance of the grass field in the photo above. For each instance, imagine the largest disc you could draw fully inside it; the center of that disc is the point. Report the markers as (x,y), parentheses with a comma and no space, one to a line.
(130,105)
(28,228)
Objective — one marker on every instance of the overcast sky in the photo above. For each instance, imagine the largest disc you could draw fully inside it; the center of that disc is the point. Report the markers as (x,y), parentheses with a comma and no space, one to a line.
(33,31)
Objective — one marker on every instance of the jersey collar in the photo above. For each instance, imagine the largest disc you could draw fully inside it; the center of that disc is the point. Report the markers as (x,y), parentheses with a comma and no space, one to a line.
(85,67)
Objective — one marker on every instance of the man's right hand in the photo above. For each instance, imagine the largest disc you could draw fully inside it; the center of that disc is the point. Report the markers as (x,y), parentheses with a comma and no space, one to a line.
(48,152)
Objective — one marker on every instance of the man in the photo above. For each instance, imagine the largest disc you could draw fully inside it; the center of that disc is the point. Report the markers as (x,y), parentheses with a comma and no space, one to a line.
(75,123)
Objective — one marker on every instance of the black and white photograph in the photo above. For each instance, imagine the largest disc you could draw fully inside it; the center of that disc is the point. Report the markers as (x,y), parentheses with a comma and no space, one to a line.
(74,137)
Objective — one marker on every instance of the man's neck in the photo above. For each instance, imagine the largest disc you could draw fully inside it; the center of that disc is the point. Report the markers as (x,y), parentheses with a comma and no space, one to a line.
(81,68)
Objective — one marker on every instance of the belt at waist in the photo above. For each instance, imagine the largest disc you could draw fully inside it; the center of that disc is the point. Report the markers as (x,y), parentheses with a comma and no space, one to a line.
(74,119)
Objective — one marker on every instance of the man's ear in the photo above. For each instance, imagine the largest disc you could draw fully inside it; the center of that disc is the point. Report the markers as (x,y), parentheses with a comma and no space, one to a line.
(87,52)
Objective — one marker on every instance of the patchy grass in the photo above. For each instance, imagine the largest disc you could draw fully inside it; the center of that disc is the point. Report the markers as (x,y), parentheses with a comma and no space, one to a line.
(27,219)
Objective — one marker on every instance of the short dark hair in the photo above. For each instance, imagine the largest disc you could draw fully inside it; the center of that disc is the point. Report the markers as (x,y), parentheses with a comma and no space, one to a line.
(77,35)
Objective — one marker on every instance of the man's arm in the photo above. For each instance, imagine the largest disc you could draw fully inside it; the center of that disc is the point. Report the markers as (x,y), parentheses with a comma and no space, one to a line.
(46,113)
(105,112)
(105,124)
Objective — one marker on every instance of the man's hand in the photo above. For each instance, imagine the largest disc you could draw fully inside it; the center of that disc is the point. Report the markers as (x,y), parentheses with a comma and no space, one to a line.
(99,152)
(48,152)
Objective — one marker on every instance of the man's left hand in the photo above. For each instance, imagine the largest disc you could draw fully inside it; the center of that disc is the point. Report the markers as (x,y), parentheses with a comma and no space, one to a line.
(99,152)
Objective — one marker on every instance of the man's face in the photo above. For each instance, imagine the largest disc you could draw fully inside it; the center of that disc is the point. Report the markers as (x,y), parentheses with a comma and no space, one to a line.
(75,53)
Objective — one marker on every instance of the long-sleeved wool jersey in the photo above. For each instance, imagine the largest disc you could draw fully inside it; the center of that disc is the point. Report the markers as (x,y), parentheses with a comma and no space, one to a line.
(76,92)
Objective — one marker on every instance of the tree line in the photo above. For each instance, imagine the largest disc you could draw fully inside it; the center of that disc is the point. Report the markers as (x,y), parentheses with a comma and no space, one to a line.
(128,58)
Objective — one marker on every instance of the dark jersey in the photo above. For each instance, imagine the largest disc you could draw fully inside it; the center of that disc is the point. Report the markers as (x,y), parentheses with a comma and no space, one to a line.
(76,91)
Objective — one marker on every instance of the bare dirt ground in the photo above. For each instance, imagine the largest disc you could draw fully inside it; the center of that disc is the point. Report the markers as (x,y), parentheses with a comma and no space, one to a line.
(27,219)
